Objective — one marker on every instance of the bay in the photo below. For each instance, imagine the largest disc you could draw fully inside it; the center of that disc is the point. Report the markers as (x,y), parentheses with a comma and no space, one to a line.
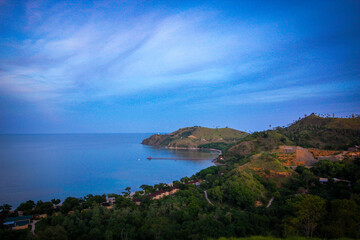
(46,166)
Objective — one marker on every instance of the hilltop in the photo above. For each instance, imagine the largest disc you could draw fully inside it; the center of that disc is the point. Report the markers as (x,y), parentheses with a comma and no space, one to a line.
(196,137)
(258,142)
(324,133)
(309,132)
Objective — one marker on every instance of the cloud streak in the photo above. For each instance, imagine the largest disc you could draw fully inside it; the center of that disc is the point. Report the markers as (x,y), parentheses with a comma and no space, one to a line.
(113,59)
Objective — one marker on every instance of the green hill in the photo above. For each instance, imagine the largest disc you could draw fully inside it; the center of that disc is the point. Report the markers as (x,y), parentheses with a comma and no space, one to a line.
(326,133)
(194,137)
(309,132)
(258,142)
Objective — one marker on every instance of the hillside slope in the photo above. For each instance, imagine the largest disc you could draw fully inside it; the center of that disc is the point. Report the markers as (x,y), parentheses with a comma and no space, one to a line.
(258,142)
(193,137)
(325,133)
(309,132)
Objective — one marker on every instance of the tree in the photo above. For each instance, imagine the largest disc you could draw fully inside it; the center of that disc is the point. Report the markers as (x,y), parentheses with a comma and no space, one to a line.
(309,212)
(55,201)
(69,204)
(162,186)
(217,193)
(307,177)
(185,179)
(344,219)
(44,207)
(90,200)
(177,184)
(147,188)
(5,208)
(127,191)
(54,233)
(241,195)
(123,202)
(26,207)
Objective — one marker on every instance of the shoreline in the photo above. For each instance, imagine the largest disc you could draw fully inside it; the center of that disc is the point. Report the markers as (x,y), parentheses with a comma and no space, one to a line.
(185,148)
(211,158)
(197,149)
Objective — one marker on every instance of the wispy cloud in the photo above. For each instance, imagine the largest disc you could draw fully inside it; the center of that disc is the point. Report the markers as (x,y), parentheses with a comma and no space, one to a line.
(56,55)
(122,57)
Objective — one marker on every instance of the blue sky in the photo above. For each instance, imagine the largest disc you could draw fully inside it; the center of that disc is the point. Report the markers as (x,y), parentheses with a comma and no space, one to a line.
(156,66)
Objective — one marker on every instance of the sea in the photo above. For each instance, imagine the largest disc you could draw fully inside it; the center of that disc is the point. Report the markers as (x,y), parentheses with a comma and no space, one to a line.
(46,166)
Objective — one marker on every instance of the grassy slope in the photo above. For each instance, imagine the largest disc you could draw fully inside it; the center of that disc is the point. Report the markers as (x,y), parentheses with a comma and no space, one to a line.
(265,165)
(311,131)
(192,137)
(258,142)
(268,161)
(325,133)
(253,178)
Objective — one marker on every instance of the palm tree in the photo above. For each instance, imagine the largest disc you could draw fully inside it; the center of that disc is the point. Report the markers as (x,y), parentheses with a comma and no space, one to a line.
(127,193)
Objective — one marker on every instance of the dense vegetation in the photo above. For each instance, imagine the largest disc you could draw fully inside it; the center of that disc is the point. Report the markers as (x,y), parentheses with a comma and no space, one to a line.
(252,194)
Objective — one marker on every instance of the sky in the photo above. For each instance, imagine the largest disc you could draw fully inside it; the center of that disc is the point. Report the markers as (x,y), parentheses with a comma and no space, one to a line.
(156,66)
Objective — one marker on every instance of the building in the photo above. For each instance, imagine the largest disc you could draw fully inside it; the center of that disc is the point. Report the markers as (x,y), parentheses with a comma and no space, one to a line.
(336,180)
(111,200)
(195,182)
(354,149)
(323,180)
(108,205)
(15,223)
(40,216)
(340,180)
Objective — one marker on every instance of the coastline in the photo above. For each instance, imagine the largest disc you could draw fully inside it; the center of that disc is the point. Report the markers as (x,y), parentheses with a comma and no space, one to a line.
(120,157)
(197,149)
(184,148)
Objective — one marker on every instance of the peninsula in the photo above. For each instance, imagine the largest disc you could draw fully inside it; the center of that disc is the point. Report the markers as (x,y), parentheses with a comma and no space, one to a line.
(197,137)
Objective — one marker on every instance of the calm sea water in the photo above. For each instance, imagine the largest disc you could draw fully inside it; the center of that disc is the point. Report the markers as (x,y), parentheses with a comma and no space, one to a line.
(42,167)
